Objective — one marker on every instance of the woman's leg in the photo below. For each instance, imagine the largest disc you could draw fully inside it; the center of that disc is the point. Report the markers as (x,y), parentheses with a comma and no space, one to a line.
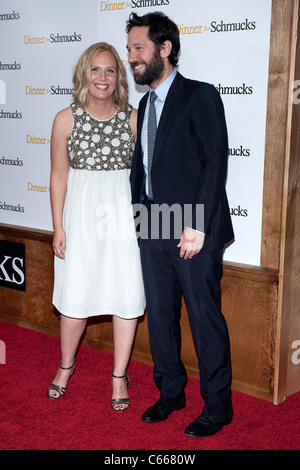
(71,330)
(123,332)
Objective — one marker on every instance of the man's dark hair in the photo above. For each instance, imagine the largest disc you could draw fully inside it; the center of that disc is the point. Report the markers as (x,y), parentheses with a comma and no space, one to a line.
(161,29)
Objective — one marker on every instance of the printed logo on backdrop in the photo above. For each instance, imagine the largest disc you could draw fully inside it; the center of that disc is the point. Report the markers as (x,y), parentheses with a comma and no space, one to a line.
(9,16)
(52,90)
(194,29)
(38,140)
(111,6)
(12,265)
(235,89)
(239,211)
(115,6)
(149,3)
(37,188)
(11,207)
(10,114)
(239,152)
(221,27)
(53,38)
(11,161)
(217,27)
(12,66)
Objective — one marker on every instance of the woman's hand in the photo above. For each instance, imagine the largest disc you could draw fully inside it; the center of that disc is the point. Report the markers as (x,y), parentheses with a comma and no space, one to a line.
(59,243)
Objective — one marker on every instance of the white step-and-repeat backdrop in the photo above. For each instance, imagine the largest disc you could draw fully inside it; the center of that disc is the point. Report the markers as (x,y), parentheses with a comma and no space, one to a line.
(224,42)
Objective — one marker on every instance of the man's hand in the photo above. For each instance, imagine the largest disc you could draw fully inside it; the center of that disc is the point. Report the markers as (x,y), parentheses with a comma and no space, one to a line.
(191,243)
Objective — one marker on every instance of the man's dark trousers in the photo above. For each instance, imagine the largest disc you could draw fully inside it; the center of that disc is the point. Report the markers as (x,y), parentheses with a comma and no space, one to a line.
(166,277)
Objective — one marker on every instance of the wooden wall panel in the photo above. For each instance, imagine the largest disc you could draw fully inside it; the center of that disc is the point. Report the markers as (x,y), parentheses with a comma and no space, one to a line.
(34,305)
(249,303)
(288,371)
(276,129)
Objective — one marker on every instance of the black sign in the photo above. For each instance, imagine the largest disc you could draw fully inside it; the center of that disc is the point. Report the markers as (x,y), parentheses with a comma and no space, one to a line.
(12,265)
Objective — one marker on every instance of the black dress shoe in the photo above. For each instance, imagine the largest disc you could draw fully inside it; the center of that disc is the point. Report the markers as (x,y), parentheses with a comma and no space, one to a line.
(205,425)
(162,409)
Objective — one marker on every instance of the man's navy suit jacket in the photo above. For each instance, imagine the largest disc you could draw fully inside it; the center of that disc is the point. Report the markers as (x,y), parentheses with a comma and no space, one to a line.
(190,158)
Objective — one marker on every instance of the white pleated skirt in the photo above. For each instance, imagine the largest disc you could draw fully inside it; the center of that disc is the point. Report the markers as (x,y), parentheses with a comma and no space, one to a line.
(101,273)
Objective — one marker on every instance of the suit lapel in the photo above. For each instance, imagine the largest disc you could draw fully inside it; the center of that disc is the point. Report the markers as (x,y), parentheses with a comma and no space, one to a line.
(173,100)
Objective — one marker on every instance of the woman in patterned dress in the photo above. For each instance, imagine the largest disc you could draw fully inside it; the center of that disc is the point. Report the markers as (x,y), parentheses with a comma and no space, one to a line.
(97,260)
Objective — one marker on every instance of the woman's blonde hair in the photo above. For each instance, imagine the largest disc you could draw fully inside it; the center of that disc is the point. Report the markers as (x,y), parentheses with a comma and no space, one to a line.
(81,76)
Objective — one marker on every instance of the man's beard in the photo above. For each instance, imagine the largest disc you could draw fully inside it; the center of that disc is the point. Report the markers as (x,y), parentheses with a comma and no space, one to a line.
(154,70)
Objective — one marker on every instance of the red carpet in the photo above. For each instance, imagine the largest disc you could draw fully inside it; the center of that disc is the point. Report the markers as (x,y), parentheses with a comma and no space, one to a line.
(83,419)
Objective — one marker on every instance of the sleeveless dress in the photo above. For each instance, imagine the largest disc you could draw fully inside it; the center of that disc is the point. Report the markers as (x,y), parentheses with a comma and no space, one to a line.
(101,272)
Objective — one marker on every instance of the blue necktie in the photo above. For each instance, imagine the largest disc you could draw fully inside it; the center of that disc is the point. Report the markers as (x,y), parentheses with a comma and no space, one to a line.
(151,139)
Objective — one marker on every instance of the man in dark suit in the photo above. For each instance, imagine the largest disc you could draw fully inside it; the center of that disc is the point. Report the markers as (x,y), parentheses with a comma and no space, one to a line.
(187,170)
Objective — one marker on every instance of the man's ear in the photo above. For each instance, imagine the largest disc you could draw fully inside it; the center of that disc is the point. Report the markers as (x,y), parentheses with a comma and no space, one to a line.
(165,49)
